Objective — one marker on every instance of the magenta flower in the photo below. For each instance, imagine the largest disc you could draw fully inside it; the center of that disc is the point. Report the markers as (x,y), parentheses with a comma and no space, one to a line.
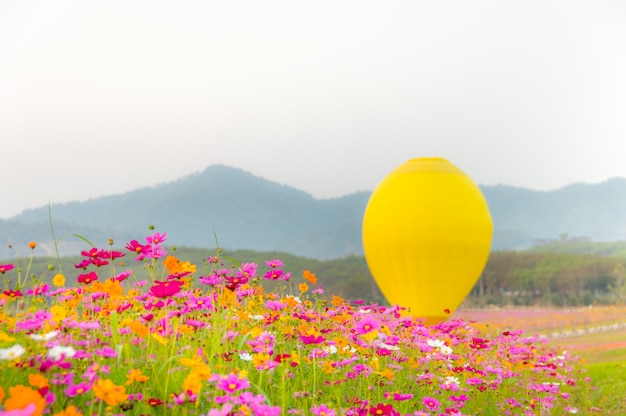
(231,383)
(273,274)
(323,410)
(83,264)
(211,280)
(39,290)
(106,352)
(224,411)
(141,250)
(383,410)
(76,389)
(366,324)
(312,339)
(431,403)
(402,397)
(156,238)
(266,410)
(6,267)
(166,289)
(87,278)
(274,263)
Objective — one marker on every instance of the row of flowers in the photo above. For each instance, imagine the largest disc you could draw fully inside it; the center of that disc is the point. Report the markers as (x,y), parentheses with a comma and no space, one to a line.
(240,339)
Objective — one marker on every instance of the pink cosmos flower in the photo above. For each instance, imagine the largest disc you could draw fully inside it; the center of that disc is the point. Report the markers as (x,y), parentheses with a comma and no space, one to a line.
(224,411)
(274,263)
(6,267)
(87,278)
(27,411)
(166,289)
(312,339)
(39,290)
(141,250)
(323,410)
(231,383)
(156,238)
(76,389)
(383,410)
(431,403)
(273,274)
(106,352)
(366,324)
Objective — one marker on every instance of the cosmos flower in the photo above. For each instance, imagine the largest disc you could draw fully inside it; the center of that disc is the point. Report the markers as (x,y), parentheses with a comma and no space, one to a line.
(12,353)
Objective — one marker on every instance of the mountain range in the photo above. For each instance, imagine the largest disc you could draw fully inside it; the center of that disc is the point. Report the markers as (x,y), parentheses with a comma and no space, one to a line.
(231,208)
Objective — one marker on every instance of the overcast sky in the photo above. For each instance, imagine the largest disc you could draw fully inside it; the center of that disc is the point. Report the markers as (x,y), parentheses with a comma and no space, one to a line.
(103,97)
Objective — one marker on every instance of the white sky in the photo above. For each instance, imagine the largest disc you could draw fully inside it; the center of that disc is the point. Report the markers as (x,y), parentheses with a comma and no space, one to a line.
(103,97)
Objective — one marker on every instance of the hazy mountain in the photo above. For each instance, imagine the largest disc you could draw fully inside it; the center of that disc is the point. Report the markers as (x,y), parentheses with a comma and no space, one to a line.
(248,212)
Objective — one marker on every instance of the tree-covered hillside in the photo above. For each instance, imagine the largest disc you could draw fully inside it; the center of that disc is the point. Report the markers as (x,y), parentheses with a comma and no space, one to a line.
(248,212)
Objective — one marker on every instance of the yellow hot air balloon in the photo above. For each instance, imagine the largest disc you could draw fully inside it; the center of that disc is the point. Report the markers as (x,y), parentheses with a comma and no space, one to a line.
(427,236)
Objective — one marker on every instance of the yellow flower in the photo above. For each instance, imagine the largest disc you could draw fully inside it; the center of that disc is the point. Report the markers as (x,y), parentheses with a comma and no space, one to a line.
(112,394)
(136,376)
(161,340)
(303,287)
(22,396)
(69,411)
(58,280)
(192,383)
(5,337)
(194,362)
(260,359)
(58,313)
(186,329)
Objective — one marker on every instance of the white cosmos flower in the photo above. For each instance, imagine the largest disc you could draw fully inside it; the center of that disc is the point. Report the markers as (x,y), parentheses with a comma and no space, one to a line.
(45,337)
(445,350)
(389,347)
(59,351)
(436,343)
(452,380)
(246,356)
(330,349)
(11,353)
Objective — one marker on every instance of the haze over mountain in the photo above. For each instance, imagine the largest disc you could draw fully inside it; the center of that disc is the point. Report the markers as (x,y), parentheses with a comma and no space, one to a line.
(244,211)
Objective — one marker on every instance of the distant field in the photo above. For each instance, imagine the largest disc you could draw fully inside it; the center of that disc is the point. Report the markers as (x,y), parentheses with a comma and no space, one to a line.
(584,332)
(544,320)
(597,334)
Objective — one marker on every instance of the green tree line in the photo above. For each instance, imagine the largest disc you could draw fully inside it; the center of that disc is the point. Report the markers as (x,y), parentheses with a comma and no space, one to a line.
(509,277)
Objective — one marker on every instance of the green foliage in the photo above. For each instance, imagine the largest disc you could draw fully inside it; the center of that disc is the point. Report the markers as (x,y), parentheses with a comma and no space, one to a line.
(610,384)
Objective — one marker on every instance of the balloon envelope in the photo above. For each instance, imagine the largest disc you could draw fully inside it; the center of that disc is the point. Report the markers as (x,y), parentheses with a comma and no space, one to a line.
(427,236)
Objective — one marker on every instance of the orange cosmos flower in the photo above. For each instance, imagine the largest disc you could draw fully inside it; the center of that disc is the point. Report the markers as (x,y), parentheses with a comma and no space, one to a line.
(303,287)
(112,394)
(136,376)
(70,411)
(309,277)
(22,396)
(37,380)
(337,300)
(32,245)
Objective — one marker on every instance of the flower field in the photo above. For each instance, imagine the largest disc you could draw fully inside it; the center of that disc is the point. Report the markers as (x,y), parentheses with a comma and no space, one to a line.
(220,337)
